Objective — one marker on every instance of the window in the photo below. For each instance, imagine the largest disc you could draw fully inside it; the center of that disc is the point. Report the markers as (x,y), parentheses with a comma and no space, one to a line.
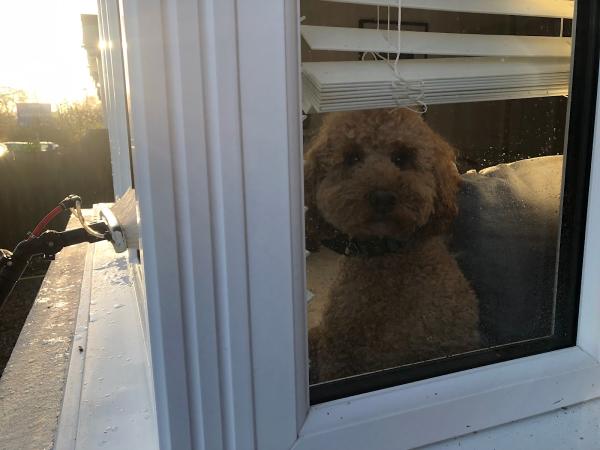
(224,251)
(438,251)
(115,90)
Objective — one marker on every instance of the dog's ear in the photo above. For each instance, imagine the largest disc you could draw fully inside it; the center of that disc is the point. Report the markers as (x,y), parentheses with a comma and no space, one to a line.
(448,181)
(312,217)
(316,228)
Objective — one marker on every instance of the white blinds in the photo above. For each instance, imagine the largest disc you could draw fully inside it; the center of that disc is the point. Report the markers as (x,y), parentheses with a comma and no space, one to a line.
(490,67)
(420,43)
(535,8)
(337,86)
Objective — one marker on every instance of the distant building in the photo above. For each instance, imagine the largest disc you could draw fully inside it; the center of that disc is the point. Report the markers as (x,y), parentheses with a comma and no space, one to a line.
(33,114)
(91,44)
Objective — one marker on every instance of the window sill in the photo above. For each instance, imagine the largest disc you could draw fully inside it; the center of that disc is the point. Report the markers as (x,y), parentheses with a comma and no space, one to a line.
(32,385)
(480,398)
(108,398)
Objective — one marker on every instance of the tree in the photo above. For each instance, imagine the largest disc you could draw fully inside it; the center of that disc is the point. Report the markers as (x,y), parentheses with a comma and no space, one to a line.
(9,98)
(76,119)
(68,124)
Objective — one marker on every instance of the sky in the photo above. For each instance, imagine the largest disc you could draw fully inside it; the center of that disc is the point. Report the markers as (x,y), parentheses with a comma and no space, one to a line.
(41,49)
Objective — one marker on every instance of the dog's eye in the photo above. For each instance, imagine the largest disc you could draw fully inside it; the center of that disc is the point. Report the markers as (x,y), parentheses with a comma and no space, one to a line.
(403,159)
(352,158)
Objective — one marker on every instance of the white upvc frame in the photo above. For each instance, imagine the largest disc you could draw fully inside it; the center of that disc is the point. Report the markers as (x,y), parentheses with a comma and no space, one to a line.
(216,120)
(114,94)
(114,100)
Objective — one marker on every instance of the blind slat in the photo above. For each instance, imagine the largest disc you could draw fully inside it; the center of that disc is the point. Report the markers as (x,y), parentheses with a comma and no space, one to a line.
(347,72)
(345,85)
(535,8)
(447,44)
(439,69)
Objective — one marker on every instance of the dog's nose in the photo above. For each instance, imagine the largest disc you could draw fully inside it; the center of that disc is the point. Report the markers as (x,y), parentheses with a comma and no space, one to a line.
(382,201)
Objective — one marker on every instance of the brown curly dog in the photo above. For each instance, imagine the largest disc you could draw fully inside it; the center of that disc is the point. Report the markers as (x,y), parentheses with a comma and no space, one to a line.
(380,187)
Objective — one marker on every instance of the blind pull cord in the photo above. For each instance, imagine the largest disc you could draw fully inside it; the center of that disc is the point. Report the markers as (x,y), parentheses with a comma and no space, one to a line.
(419,90)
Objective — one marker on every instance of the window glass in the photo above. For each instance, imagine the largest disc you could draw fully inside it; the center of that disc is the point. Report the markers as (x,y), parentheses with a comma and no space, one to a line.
(435,194)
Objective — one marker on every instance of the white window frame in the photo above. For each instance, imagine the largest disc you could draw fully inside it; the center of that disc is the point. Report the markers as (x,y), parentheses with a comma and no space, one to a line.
(218,167)
(112,85)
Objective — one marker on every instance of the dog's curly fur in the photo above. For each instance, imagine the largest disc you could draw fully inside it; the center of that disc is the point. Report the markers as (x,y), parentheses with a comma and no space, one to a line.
(398,308)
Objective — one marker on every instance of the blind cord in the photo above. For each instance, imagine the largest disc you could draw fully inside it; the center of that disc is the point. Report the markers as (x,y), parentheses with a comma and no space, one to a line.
(388,29)
(415,90)
(421,106)
(562,26)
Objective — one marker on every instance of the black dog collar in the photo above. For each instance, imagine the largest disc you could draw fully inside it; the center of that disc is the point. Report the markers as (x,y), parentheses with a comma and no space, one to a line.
(345,245)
